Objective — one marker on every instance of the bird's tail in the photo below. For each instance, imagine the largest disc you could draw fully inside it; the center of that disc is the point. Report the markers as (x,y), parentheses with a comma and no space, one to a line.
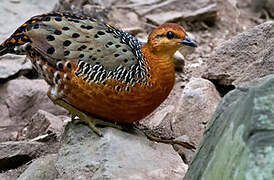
(15,44)
(3,50)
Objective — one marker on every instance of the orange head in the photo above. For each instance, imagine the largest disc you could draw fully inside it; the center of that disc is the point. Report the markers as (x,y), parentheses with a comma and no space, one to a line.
(168,38)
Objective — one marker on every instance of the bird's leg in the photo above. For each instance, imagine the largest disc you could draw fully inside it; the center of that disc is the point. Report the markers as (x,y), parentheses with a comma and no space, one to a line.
(91,121)
(186,145)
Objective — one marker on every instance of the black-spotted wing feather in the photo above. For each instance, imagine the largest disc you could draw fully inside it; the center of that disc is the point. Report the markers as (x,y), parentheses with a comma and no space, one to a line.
(60,36)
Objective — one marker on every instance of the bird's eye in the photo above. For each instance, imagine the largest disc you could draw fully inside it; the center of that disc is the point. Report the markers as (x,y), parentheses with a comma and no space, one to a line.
(170,35)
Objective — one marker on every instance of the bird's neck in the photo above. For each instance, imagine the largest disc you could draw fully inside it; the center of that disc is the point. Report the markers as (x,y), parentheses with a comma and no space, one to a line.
(161,67)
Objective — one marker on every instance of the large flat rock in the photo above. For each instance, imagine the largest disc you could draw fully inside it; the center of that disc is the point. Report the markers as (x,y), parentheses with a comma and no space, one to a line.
(117,155)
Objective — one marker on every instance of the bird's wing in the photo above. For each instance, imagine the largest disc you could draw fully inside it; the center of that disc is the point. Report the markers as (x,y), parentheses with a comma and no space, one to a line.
(64,36)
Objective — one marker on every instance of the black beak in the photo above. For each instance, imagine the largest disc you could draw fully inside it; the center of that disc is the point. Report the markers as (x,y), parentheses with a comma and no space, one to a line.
(189,42)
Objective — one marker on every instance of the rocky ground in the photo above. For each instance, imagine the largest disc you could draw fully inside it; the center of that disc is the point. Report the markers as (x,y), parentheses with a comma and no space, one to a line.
(34,138)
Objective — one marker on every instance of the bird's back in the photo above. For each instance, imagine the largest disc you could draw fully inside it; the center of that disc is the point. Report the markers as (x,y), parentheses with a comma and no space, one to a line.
(66,36)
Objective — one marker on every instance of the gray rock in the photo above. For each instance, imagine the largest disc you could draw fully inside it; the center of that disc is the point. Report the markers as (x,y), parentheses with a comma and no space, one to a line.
(20,99)
(12,15)
(42,123)
(158,123)
(196,106)
(238,144)
(117,155)
(98,9)
(206,13)
(246,56)
(11,65)
(270,7)
(228,19)
(172,5)
(179,61)
(186,112)
(163,17)
(258,5)
(42,169)
(4,176)
(14,154)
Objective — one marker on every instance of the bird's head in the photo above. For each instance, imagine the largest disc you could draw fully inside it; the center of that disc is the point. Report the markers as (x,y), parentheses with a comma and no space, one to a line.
(168,38)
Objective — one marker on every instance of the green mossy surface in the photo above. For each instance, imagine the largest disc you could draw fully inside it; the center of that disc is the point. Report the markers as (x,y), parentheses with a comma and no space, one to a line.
(239,141)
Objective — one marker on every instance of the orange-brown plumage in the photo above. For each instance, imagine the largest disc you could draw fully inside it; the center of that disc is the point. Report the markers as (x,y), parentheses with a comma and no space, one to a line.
(101,71)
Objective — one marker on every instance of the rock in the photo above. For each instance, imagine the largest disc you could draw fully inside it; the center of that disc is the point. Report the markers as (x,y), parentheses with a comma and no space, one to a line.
(270,7)
(158,19)
(12,174)
(14,154)
(172,5)
(4,176)
(212,33)
(173,11)
(228,18)
(208,13)
(258,5)
(185,111)
(42,169)
(179,61)
(12,65)
(246,56)
(12,15)
(195,108)
(158,123)
(20,99)
(96,9)
(238,142)
(43,123)
(136,2)
(126,20)
(117,155)
(133,30)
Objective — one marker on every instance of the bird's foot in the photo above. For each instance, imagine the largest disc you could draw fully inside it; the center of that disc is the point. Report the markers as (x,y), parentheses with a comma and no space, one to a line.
(82,117)
(92,122)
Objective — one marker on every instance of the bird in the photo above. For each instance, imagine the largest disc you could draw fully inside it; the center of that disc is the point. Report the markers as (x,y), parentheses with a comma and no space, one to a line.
(99,73)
